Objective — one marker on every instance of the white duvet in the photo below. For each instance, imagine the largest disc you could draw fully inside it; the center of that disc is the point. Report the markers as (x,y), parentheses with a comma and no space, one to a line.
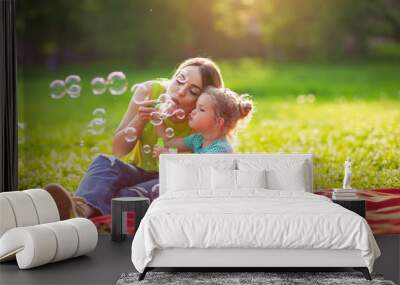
(250,218)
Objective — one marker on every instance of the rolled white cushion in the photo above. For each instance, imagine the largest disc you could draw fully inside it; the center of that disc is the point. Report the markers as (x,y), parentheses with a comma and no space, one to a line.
(40,244)
(66,238)
(87,235)
(33,246)
(7,218)
(23,208)
(45,205)
(26,208)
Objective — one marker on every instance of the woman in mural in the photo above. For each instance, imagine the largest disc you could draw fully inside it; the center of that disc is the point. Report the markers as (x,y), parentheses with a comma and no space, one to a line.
(107,176)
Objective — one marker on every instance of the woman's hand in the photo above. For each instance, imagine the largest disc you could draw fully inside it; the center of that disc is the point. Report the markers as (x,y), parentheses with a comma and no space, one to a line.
(145,109)
(157,150)
(140,97)
(161,131)
(136,116)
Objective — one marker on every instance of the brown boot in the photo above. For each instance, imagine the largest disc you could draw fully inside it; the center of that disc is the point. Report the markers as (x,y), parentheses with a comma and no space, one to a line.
(83,209)
(63,199)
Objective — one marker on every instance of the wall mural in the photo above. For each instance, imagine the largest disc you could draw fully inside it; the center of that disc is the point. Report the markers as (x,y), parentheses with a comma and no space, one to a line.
(104,88)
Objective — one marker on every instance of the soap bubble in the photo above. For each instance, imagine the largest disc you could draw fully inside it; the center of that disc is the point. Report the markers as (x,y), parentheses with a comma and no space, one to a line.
(72,80)
(57,88)
(310,98)
(140,93)
(134,87)
(21,133)
(305,98)
(117,83)
(72,85)
(169,132)
(99,113)
(96,126)
(130,134)
(74,91)
(99,86)
(146,149)
(156,118)
(166,105)
(301,99)
(164,98)
(137,86)
(168,108)
(179,113)
(99,121)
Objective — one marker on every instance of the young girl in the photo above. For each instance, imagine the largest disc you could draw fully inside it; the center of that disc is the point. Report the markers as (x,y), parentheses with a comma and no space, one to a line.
(217,112)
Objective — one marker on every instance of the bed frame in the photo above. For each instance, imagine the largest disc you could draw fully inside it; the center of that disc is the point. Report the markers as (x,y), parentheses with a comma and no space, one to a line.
(242,259)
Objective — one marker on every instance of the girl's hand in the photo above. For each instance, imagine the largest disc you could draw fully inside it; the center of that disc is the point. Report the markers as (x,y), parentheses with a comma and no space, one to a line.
(157,150)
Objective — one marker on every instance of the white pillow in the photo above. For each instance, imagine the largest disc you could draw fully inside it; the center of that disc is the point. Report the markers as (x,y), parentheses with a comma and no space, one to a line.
(227,179)
(291,180)
(251,178)
(281,174)
(185,174)
(223,179)
(182,177)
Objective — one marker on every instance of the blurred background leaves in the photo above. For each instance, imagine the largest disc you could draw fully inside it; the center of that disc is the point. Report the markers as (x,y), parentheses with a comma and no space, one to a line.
(145,32)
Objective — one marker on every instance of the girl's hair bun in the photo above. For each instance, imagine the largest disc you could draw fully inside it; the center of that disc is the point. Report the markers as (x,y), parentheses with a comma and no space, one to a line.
(245,105)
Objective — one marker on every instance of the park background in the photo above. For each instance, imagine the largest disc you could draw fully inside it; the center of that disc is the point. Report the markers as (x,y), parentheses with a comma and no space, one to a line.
(324,77)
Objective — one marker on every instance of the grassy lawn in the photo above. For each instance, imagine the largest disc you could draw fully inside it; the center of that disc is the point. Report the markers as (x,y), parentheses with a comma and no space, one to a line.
(330,110)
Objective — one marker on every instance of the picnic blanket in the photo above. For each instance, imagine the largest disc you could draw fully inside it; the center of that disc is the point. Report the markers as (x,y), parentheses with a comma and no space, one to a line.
(382,209)
(382,212)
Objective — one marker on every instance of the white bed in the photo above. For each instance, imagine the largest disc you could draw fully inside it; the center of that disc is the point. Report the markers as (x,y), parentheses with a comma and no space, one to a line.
(247,210)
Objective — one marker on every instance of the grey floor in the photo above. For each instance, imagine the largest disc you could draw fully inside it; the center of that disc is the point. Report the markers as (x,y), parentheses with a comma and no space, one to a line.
(111,259)
(102,266)
(388,264)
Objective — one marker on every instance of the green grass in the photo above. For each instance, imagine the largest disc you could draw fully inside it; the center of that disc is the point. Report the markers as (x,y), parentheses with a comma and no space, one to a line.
(355,112)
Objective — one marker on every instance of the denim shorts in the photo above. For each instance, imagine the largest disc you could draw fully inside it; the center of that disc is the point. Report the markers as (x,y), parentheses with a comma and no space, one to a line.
(108,177)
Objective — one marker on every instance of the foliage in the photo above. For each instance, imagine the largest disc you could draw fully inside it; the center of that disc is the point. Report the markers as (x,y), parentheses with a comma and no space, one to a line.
(153,31)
